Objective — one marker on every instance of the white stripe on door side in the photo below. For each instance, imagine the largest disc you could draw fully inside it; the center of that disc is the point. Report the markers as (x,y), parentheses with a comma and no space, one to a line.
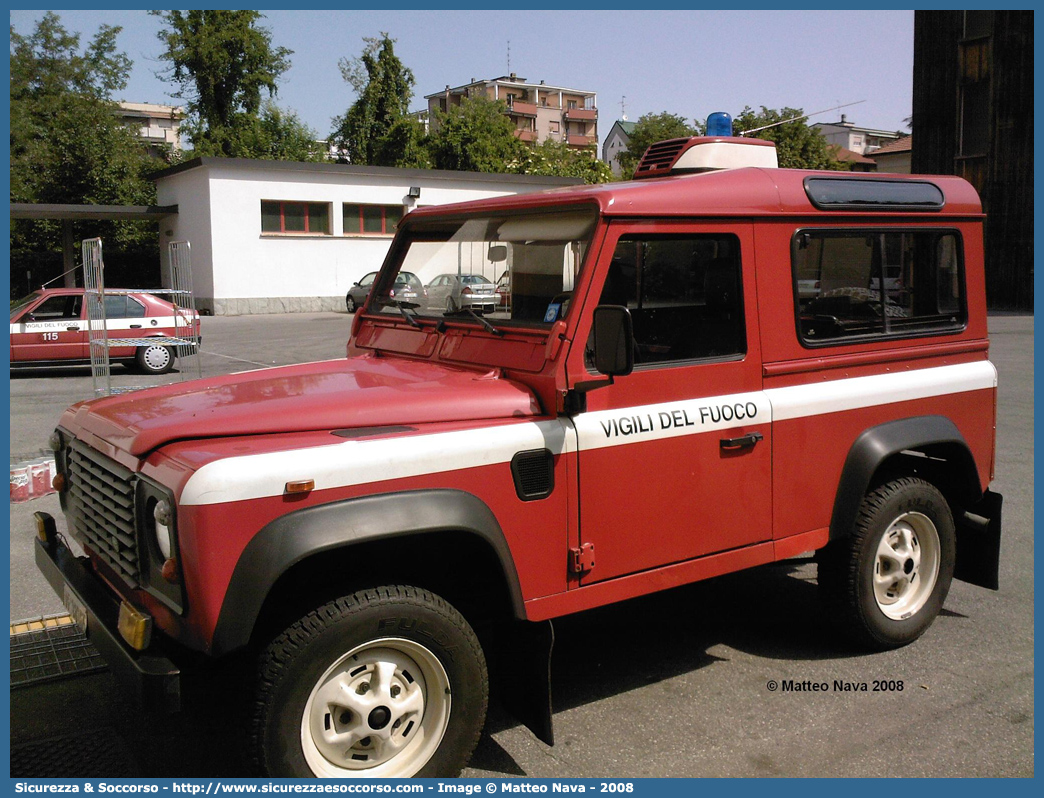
(113,324)
(350,462)
(854,393)
(360,462)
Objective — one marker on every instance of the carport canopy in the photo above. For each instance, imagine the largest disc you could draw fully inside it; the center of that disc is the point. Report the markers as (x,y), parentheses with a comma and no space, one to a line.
(67,213)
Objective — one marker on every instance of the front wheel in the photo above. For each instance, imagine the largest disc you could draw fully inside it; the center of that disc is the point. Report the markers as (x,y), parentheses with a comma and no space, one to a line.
(887,581)
(349,303)
(384,683)
(154,359)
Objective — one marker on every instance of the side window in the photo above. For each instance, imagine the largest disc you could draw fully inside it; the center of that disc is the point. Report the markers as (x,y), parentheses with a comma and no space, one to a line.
(684,293)
(115,307)
(367,281)
(57,307)
(135,310)
(857,284)
(119,306)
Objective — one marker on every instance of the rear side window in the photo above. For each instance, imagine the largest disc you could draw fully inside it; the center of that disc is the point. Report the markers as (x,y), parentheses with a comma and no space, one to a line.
(857,284)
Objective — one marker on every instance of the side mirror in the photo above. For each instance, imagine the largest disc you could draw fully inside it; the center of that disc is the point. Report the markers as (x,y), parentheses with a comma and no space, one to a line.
(613,341)
(497,253)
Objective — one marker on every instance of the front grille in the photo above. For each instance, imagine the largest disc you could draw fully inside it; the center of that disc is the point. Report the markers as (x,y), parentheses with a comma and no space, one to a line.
(101,509)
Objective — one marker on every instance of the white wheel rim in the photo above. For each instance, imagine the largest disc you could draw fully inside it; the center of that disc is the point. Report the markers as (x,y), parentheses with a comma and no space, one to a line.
(906,566)
(156,357)
(380,710)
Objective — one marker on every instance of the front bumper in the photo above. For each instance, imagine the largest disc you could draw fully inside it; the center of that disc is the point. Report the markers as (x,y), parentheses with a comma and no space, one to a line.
(147,677)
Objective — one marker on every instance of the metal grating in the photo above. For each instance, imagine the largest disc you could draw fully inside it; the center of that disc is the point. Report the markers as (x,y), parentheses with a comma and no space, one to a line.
(101,510)
(661,155)
(52,652)
(534,474)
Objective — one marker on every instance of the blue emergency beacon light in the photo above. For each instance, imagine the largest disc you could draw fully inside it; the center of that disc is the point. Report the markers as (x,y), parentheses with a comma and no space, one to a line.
(719,124)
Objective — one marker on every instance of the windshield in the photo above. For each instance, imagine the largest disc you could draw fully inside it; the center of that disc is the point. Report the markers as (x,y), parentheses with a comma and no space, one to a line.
(511,268)
(20,305)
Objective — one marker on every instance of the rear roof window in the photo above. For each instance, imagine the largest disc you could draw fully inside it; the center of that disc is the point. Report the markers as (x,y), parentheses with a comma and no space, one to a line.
(831,193)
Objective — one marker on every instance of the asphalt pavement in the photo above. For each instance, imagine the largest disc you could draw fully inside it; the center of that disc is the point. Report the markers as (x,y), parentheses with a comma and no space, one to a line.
(675,684)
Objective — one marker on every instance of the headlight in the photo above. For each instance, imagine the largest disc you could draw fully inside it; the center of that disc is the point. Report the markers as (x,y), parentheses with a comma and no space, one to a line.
(158,546)
(161,515)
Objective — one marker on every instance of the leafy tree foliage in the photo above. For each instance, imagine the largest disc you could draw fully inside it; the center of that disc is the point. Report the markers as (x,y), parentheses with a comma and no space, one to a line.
(555,158)
(68,144)
(649,129)
(476,136)
(277,135)
(376,130)
(798,146)
(222,62)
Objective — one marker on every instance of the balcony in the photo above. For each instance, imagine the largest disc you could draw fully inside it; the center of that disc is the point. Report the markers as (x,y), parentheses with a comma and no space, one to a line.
(522,109)
(581,114)
(581,141)
(526,135)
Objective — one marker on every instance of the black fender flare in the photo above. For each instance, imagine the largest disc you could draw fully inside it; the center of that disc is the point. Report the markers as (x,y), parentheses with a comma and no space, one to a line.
(291,538)
(931,435)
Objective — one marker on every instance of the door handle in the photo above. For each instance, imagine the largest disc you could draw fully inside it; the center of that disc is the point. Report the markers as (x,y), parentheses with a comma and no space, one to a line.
(742,442)
(135,326)
(73,329)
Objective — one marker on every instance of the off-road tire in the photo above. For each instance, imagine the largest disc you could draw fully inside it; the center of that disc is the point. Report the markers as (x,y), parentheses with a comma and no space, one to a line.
(386,627)
(876,617)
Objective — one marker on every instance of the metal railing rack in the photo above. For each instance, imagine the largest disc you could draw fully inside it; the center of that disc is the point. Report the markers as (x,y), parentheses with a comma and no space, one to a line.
(186,345)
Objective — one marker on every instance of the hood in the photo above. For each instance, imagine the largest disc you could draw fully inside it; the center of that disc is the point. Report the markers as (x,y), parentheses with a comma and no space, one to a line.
(337,394)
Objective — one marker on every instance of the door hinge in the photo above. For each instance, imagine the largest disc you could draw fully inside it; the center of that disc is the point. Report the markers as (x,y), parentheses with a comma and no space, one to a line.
(582,560)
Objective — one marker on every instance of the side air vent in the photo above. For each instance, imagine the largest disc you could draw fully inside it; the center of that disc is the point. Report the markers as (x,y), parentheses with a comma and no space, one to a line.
(660,157)
(534,474)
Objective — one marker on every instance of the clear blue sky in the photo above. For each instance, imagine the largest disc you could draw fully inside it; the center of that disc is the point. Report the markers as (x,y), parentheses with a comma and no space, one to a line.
(686,62)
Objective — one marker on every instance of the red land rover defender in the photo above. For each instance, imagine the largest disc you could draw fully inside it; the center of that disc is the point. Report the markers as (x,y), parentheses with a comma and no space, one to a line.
(698,372)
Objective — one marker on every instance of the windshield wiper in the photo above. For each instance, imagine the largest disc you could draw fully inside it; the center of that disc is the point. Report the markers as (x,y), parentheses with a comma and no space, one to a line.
(405,308)
(465,309)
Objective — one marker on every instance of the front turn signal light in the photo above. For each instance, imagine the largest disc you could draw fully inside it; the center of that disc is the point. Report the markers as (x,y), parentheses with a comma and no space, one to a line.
(135,627)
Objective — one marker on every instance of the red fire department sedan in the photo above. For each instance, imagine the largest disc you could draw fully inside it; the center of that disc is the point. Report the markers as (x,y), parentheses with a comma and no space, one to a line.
(50,327)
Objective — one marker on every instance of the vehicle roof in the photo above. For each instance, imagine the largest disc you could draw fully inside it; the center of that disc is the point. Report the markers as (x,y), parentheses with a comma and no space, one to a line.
(145,294)
(727,192)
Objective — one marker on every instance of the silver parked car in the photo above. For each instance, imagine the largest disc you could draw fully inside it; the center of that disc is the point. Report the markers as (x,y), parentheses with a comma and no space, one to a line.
(451,292)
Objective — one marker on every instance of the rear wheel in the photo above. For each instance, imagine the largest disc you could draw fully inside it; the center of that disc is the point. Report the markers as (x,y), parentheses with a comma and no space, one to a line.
(154,359)
(385,683)
(887,581)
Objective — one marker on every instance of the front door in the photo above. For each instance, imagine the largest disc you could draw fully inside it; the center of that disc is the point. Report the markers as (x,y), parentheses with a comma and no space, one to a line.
(674,459)
(53,330)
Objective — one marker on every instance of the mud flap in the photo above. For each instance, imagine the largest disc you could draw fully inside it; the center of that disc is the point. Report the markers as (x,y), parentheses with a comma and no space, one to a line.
(525,669)
(978,542)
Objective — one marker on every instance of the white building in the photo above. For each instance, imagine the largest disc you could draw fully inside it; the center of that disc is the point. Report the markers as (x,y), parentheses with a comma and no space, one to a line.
(861,140)
(159,125)
(279,236)
(616,142)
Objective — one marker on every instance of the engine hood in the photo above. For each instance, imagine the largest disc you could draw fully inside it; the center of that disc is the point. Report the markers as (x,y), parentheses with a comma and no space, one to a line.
(364,391)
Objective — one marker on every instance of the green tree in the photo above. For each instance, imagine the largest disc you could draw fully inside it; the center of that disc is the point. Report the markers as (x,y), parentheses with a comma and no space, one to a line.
(555,158)
(476,136)
(376,129)
(798,146)
(649,129)
(277,135)
(68,144)
(222,61)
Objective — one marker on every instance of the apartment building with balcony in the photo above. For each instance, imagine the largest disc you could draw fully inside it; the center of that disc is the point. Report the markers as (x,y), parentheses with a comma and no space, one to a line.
(157,125)
(539,111)
(860,140)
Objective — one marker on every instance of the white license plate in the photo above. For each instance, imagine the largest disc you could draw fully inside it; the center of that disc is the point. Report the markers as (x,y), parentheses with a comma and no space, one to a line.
(77,611)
